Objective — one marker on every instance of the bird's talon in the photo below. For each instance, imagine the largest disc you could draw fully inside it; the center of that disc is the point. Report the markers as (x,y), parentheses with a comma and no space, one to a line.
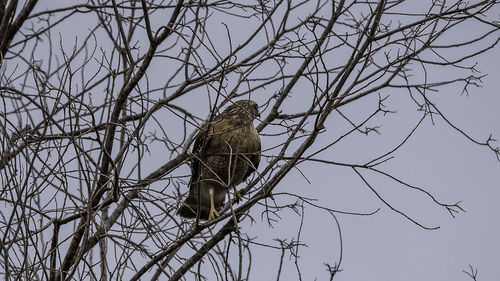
(237,195)
(213,214)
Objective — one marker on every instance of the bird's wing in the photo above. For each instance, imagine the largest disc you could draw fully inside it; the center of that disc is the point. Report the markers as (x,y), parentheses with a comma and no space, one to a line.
(207,142)
(201,140)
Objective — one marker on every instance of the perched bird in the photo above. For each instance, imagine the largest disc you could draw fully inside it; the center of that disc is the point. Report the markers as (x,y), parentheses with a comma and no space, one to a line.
(225,152)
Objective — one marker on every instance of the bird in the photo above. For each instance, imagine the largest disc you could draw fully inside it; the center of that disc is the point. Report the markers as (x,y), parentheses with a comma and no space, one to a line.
(226,152)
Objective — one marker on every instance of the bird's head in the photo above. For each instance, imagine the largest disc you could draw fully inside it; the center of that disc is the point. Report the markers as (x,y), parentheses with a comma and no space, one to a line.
(245,110)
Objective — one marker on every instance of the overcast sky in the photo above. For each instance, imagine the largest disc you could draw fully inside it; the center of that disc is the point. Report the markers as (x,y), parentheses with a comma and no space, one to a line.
(385,245)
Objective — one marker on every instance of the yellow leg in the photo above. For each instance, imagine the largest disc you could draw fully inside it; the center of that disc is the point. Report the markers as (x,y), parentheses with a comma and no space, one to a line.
(237,195)
(213,212)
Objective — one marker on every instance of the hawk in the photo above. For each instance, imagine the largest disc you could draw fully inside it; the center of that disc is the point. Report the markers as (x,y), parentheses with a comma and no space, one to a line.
(226,151)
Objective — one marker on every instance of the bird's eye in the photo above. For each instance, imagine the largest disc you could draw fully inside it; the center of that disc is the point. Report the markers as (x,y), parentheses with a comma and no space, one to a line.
(256,108)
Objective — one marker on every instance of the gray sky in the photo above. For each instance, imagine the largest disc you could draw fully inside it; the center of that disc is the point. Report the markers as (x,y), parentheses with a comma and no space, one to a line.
(384,246)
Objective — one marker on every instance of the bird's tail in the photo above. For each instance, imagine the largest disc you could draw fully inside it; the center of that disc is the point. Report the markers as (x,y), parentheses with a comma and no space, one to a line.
(189,209)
